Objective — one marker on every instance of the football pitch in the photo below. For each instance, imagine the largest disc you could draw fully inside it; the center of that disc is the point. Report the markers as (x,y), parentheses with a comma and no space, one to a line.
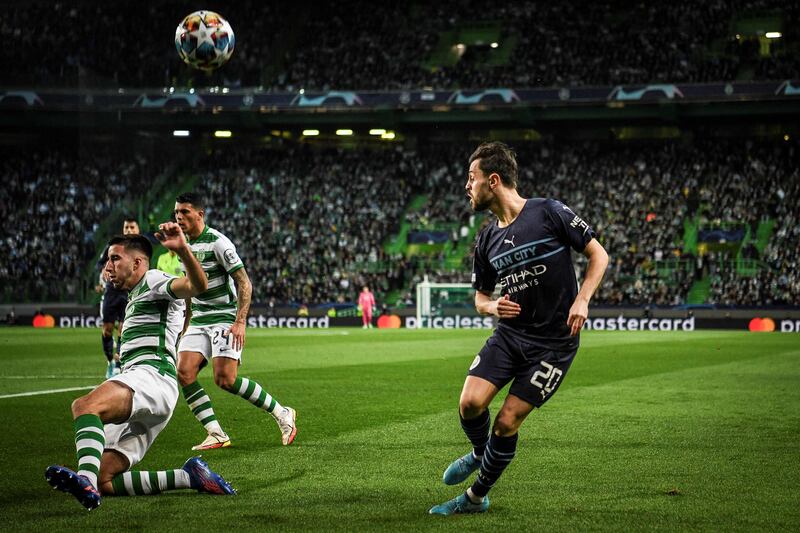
(650,431)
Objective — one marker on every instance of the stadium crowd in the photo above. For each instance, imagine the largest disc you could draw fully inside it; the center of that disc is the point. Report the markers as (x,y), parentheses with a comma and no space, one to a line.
(328,213)
(311,222)
(52,202)
(353,45)
(777,196)
(331,210)
(123,44)
(638,198)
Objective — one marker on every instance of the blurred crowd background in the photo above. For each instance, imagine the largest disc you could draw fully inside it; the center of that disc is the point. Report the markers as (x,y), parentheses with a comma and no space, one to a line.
(686,219)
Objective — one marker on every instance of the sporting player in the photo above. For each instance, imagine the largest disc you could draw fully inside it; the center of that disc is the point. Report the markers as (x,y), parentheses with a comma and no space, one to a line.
(540,311)
(366,301)
(117,422)
(215,329)
(112,304)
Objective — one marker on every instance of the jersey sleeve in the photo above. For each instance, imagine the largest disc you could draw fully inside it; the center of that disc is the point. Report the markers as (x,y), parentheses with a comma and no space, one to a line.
(569,227)
(484,276)
(227,258)
(160,284)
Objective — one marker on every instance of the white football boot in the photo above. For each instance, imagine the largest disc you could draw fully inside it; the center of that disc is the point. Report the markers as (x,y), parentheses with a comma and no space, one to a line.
(288,424)
(213,441)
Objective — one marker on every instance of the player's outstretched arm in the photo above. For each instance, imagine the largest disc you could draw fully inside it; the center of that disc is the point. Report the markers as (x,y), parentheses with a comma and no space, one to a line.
(195,282)
(503,307)
(244,292)
(598,261)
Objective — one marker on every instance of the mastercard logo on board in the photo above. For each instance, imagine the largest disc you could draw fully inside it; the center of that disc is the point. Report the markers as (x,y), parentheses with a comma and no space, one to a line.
(44,321)
(762,324)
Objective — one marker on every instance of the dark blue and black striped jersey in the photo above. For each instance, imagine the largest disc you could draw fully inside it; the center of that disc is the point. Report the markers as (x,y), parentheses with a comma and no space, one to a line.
(532,261)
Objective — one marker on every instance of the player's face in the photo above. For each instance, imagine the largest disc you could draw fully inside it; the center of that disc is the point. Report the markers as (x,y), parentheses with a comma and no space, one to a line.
(478,190)
(121,266)
(189,219)
(130,227)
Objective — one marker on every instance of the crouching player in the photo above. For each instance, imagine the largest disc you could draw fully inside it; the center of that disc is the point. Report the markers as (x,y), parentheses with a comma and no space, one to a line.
(117,422)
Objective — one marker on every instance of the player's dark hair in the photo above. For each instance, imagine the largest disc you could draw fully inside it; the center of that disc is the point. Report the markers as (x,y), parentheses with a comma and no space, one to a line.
(497,158)
(139,243)
(191,198)
(130,218)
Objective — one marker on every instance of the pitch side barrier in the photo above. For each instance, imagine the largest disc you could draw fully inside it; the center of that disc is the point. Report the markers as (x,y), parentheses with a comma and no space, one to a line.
(600,319)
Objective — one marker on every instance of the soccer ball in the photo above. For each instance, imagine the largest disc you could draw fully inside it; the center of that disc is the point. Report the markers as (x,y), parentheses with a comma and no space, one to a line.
(204,40)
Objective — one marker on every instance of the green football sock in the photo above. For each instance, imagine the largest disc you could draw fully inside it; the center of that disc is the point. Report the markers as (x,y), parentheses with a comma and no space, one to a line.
(90,441)
(255,394)
(138,483)
(200,404)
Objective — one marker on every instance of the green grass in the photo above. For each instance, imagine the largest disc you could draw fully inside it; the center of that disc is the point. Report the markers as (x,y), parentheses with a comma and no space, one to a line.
(650,431)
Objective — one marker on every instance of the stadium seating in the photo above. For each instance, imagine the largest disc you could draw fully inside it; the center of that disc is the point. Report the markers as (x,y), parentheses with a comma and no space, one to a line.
(52,202)
(311,223)
(351,45)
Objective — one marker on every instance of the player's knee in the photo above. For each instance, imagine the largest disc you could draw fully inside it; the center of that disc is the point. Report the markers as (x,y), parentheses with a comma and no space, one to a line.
(225,381)
(186,376)
(87,405)
(506,424)
(470,407)
(80,407)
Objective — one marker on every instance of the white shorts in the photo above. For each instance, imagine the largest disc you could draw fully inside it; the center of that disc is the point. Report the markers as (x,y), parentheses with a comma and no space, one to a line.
(154,398)
(210,341)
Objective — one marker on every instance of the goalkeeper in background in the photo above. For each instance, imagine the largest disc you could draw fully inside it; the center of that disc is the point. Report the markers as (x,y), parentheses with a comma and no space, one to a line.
(366,301)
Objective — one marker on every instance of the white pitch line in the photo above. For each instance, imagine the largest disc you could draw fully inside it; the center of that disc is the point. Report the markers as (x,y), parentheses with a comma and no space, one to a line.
(52,376)
(39,392)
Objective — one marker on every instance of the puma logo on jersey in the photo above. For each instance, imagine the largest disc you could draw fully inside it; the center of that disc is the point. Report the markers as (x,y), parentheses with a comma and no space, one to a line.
(509,241)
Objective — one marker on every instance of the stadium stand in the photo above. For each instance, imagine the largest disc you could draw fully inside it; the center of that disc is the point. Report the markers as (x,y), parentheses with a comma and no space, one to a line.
(696,221)
(351,45)
(645,194)
(312,223)
(52,201)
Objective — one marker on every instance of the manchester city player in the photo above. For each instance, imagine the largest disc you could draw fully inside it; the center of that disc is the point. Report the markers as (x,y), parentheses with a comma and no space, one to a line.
(540,311)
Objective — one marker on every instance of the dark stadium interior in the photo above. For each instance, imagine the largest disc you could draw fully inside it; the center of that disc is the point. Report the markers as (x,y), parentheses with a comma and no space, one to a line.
(351,45)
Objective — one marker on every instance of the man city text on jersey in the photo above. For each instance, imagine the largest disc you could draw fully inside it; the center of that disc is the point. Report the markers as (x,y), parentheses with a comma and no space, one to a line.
(531,260)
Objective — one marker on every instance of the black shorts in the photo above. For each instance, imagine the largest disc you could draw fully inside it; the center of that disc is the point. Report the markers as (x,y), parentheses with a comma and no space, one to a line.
(112,307)
(537,372)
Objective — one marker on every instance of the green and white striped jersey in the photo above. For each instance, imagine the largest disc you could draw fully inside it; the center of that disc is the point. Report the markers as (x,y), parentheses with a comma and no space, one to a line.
(153,321)
(217,255)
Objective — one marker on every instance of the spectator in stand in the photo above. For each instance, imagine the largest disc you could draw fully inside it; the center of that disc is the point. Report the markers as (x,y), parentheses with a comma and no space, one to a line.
(53,192)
